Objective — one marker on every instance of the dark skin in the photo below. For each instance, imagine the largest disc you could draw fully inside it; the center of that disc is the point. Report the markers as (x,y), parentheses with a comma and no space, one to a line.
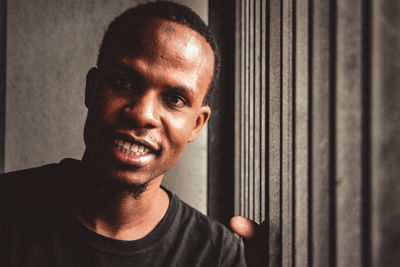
(148,94)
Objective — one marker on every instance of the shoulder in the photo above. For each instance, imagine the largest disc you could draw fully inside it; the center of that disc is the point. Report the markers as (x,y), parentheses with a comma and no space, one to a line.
(202,222)
(23,180)
(29,189)
(203,230)
(206,226)
(35,178)
(37,172)
(28,203)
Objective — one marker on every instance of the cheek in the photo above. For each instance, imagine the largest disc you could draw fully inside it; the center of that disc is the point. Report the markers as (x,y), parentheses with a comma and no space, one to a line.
(105,110)
(179,129)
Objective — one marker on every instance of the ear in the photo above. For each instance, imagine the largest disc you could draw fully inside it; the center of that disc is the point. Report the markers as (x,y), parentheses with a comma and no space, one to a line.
(201,120)
(91,78)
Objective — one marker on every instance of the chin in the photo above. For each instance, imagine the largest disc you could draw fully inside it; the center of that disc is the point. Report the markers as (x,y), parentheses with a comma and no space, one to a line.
(130,177)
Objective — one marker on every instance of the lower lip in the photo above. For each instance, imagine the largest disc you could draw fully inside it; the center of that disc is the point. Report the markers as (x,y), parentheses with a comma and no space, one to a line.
(132,160)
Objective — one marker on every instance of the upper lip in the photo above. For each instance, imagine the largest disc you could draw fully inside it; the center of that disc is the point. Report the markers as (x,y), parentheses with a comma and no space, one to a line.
(139,141)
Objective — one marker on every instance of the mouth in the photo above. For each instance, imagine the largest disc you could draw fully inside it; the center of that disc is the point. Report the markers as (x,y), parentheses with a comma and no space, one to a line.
(133,152)
(131,148)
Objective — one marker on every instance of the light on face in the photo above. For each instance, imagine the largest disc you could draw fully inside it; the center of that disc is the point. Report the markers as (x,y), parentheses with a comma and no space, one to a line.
(191,49)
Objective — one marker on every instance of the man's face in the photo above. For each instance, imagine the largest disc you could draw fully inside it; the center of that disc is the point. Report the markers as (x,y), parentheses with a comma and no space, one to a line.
(145,101)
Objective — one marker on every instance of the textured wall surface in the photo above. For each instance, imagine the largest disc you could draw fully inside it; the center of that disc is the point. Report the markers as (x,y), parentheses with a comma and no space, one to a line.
(317,129)
(50,47)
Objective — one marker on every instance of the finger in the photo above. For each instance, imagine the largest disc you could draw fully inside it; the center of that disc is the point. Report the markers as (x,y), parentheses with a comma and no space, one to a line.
(244,227)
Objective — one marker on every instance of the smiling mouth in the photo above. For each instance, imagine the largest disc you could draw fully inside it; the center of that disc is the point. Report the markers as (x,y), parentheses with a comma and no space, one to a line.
(131,148)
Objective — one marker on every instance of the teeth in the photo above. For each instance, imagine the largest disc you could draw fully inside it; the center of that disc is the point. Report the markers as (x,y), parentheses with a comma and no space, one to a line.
(127,145)
(133,149)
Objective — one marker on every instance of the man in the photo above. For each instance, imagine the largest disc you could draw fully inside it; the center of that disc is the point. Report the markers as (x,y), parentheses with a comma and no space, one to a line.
(146,99)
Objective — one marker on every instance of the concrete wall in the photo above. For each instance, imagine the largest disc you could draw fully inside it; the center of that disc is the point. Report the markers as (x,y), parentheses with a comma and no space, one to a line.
(317,129)
(50,47)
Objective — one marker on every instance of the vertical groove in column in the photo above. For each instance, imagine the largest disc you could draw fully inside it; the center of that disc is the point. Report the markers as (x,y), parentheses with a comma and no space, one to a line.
(263,116)
(242,109)
(281,141)
(332,134)
(385,145)
(257,113)
(280,129)
(348,182)
(237,110)
(3,55)
(280,132)
(268,124)
(246,110)
(274,139)
(366,134)
(321,134)
(310,254)
(286,132)
(251,108)
(301,107)
(293,137)
(294,131)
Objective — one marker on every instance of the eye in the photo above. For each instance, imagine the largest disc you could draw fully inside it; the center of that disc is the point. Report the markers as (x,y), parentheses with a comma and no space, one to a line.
(174,100)
(123,83)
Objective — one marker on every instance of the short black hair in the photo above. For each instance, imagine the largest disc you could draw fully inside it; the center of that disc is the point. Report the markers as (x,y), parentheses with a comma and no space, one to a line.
(172,12)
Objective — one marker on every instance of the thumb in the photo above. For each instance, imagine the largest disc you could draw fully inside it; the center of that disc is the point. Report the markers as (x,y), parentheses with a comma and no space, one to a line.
(255,241)
(244,227)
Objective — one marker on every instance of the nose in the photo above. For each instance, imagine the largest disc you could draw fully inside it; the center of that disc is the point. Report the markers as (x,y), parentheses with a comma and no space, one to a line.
(143,111)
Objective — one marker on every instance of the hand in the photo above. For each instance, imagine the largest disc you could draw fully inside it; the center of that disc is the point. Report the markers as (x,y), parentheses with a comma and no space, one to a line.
(255,238)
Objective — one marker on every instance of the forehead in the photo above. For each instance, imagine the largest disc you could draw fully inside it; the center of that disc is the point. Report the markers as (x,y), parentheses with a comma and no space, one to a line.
(156,39)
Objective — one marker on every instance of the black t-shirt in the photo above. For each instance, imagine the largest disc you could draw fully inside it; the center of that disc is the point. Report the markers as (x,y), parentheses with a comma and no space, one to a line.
(36,229)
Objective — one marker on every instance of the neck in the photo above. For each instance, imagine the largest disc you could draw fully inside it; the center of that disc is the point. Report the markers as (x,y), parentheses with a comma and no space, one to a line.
(113,212)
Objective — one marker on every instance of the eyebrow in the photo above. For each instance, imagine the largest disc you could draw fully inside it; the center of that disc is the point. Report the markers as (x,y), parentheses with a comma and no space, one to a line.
(182,90)
(120,64)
